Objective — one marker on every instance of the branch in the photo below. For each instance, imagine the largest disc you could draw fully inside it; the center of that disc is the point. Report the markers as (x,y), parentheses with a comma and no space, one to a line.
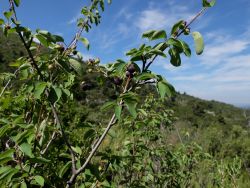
(95,148)
(34,64)
(48,144)
(179,33)
(7,84)
(80,170)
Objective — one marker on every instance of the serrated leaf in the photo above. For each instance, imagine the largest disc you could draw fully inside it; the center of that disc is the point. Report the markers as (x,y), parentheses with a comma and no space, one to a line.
(85,41)
(39,180)
(199,43)
(206,3)
(64,169)
(118,111)
(27,149)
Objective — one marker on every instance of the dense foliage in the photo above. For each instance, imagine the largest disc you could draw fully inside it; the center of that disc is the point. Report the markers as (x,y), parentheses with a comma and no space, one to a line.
(65,122)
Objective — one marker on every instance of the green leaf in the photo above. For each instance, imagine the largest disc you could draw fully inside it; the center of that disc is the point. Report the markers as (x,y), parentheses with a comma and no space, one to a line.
(8,14)
(186,49)
(163,89)
(23,185)
(42,40)
(55,94)
(77,149)
(118,111)
(64,169)
(176,27)
(76,65)
(39,160)
(199,43)
(161,34)
(1,21)
(145,76)
(157,52)
(131,108)
(174,42)
(7,174)
(206,3)
(175,58)
(3,129)
(7,153)
(39,89)
(39,180)
(85,41)
(17,2)
(57,38)
(108,105)
(26,149)
(148,34)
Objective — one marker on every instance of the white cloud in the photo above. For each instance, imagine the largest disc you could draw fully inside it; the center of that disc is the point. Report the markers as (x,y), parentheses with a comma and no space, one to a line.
(162,17)
(151,19)
(73,20)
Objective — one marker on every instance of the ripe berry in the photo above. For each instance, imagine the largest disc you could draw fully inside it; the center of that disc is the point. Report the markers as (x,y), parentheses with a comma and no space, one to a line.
(7,27)
(74,52)
(131,68)
(128,74)
(117,81)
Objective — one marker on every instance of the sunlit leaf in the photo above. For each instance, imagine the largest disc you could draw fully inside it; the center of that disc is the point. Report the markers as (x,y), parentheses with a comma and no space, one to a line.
(199,43)
(39,180)
(85,41)
(208,3)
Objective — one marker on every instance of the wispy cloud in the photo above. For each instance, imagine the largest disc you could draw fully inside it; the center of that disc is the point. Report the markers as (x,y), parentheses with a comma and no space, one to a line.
(163,17)
(73,20)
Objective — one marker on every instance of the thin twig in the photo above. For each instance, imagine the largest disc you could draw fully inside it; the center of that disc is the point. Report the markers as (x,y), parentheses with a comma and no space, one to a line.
(179,33)
(48,144)
(34,64)
(7,84)
(80,170)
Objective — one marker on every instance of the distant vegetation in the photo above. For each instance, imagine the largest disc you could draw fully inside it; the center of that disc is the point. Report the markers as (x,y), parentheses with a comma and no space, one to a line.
(56,108)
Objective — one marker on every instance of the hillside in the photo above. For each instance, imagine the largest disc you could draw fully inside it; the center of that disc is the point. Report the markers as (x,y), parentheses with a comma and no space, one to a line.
(221,129)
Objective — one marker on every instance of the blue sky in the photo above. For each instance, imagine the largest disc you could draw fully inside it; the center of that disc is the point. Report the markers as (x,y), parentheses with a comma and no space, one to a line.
(221,73)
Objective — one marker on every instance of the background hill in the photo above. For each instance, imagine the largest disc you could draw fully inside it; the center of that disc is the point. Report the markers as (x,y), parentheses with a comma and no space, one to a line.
(221,129)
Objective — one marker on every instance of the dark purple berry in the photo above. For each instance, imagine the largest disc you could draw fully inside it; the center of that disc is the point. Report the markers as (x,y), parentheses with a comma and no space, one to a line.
(117,81)
(131,68)
(128,74)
